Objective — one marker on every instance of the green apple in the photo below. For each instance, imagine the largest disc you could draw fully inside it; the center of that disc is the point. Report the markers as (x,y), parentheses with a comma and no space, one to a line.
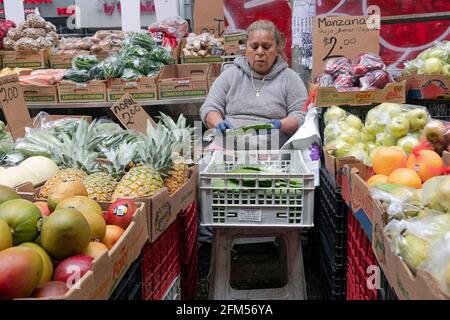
(351,136)
(417,118)
(373,127)
(431,66)
(390,109)
(386,140)
(367,137)
(371,148)
(334,114)
(399,126)
(446,70)
(408,143)
(443,193)
(414,250)
(354,122)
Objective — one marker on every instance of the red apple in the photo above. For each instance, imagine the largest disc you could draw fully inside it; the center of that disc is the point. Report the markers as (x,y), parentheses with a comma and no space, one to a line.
(45,211)
(120,213)
(72,269)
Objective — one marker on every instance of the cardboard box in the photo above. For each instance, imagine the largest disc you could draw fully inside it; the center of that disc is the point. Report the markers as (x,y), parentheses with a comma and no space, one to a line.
(40,94)
(183,81)
(64,60)
(213,73)
(22,59)
(406,285)
(92,91)
(335,166)
(142,89)
(426,86)
(329,96)
(208,17)
(109,268)
(198,59)
(235,43)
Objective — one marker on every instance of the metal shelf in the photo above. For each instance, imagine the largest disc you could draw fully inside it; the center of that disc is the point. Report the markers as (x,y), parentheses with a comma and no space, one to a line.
(109,104)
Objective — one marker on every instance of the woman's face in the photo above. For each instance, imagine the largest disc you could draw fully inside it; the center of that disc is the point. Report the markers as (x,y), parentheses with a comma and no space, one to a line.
(261,51)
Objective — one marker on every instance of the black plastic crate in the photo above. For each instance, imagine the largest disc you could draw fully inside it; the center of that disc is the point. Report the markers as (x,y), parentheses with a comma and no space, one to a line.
(386,292)
(331,203)
(333,246)
(129,287)
(438,109)
(334,281)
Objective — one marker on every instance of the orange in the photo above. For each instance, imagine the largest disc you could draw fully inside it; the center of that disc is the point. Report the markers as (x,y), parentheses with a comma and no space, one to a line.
(112,235)
(378,178)
(386,159)
(405,177)
(426,163)
(95,249)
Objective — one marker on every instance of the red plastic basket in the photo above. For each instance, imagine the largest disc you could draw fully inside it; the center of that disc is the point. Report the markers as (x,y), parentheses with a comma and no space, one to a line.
(188,232)
(161,263)
(359,257)
(189,278)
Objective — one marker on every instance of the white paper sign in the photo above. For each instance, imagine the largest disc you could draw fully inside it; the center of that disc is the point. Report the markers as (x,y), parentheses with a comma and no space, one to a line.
(166,9)
(131,15)
(302,15)
(14,11)
(253,215)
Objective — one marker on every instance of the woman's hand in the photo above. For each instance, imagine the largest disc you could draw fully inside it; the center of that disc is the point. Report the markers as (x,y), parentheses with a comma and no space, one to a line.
(215,120)
(287,125)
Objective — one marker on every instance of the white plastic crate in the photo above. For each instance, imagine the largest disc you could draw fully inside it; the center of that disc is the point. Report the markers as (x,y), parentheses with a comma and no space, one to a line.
(227,199)
(174,291)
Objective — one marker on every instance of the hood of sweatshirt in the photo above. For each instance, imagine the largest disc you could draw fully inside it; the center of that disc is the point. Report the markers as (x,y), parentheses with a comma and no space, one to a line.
(277,68)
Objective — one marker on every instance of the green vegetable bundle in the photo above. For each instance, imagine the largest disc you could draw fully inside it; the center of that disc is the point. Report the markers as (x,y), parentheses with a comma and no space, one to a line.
(84,62)
(142,39)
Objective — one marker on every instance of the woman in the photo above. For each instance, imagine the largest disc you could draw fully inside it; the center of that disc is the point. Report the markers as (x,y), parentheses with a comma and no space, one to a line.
(258,88)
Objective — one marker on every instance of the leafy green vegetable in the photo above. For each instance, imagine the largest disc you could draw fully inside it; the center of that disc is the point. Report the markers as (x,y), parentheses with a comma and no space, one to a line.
(113,67)
(84,62)
(142,39)
(162,55)
(76,75)
(131,74)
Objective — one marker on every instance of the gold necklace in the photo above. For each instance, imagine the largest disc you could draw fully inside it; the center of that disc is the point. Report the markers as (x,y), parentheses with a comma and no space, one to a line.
(257,90)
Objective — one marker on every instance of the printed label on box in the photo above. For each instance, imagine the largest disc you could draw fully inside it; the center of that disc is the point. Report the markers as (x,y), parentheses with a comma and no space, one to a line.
(253,215)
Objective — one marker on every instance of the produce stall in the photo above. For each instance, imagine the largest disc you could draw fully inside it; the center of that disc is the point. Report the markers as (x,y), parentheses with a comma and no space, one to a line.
(109,187)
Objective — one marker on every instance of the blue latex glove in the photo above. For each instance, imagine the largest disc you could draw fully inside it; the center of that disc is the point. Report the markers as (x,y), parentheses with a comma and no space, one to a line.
(223,126)
(276,123)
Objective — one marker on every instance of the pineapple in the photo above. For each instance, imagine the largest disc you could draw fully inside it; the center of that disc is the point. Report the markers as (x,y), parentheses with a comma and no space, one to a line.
(62,175)
(100,186)
(178,173)
(140,181)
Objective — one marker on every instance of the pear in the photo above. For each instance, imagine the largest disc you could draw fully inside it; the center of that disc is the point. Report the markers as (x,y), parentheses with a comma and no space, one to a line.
(413,250)
(443,193)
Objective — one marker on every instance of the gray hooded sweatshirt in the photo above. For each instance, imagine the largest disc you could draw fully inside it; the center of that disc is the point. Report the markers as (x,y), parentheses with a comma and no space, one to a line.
(233,95)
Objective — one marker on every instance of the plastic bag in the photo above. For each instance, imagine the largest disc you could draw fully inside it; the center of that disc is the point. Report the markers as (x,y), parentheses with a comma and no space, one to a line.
(336,66)
(139,64)
(96,73)
(411,239)
(437,132)
(131,74)
(324,80)
(173,27)
(76,75)
(113,67)
(437,263)
(84,62)
(370,62)
(161,55)
(400,202)
(343,81)
(377,79)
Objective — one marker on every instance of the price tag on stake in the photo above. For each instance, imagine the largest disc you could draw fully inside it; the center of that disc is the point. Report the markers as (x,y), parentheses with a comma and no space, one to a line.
(131,114)
(343,37)
(13,106)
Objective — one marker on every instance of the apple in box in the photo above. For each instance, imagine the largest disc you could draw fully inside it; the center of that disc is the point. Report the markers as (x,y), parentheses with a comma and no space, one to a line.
(120,213)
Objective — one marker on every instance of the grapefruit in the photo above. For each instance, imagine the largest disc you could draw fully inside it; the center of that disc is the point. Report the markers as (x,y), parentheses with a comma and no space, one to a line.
(6,240)
(113,234)
(386,159)
(20,272)
(65,233)
(23,218)
(405,177)
(47,264)
(426,163)
(95,249)
(376,179)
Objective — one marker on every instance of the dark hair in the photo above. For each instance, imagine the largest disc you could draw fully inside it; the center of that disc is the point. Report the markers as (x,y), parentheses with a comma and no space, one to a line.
(267,25)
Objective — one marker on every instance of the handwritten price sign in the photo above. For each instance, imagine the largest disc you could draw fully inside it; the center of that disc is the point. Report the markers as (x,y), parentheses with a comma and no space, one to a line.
(131,114)
(14,106)
(335,37)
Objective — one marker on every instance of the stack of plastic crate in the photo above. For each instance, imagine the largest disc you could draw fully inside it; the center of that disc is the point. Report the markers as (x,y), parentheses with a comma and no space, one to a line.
(130,287)
(362,263)
(161,263)
(189,251)
(332,225)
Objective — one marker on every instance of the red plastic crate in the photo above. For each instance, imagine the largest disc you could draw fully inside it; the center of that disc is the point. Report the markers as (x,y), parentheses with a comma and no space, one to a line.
(189,278)
(161,263)
(188,232)
(359,257)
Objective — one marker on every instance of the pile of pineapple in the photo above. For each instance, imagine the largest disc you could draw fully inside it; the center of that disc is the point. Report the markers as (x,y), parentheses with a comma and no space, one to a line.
(113,163)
